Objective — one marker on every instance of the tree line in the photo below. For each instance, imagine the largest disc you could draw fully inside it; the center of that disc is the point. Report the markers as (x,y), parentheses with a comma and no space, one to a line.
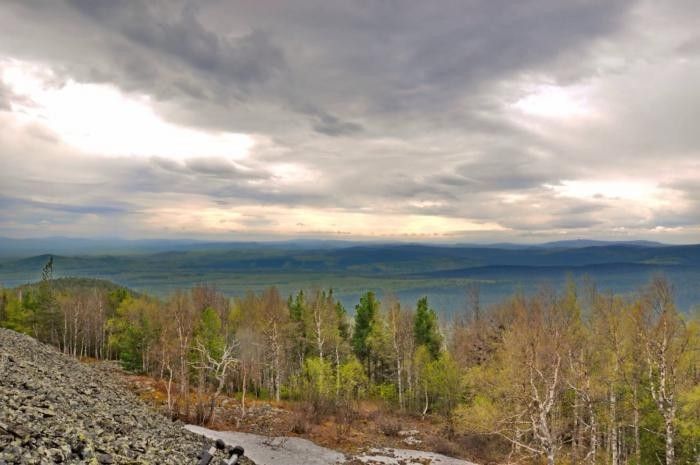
(578,376)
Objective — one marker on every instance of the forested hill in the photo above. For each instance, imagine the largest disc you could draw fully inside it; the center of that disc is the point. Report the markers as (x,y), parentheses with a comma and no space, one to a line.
(394,258)
(408,270)
(69,284)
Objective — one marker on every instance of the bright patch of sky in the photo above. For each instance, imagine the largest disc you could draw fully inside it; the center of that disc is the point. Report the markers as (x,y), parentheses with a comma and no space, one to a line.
(99,119)
(555,102)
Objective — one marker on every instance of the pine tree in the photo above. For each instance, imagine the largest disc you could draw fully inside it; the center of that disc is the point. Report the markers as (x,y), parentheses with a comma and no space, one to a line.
(46,319)
(425,328)
(365,315)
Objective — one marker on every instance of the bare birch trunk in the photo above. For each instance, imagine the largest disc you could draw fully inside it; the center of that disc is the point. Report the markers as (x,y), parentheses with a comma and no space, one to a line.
(670,450)
(398,380)
(635,426)
(614,453)
(168,390)
(244,387)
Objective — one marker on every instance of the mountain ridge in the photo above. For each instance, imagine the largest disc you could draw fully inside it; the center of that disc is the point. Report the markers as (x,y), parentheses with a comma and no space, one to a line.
(408,270)
(61,245)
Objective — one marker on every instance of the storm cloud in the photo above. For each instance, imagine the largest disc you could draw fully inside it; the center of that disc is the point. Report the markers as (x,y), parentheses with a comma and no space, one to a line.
(482,121)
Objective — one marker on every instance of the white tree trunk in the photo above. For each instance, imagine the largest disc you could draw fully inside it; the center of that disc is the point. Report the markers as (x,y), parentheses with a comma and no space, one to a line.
(614,454)
(670,451)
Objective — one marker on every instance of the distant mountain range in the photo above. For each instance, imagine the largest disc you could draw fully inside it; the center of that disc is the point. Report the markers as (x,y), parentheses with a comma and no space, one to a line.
(13,247)
(441,272)
(572,244)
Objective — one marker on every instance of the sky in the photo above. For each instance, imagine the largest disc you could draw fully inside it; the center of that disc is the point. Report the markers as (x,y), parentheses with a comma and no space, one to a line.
(465,121)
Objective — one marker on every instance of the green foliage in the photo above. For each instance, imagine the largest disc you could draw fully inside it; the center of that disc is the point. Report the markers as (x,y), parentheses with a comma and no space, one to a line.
(570,304)
(343,324)
(353,380)
(651,439)
(319,375)
(365,317)
(385,391)
(208,333)
(132,331)
(44,318)
(16,315)
(596,345)
(298,313)
(689,421)
(421,360)
(689,400)
(297,306)
(378,340)
(480,415)
(62,311)
(440,380)
(425,328)
(444,383)
(117,296)
(3,304)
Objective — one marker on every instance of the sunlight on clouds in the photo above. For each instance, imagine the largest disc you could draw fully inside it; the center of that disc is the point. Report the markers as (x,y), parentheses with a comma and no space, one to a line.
(511,198)
(640,198)
(291,173)
(426,204)
(281,220)
(625,190)
(550,101)
(99,119)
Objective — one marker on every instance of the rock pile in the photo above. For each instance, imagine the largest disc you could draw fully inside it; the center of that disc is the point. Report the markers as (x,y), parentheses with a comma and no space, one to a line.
(54,409)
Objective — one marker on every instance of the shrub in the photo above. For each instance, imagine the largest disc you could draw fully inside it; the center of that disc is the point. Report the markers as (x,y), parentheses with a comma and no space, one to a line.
(444,446)
(301,420)
(389,427)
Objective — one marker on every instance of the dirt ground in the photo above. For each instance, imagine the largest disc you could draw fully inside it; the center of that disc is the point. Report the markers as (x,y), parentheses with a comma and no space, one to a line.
(371,426)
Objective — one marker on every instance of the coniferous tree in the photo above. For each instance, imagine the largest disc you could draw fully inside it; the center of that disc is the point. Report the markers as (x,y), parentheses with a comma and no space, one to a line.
(298,310)
(365,315)
(45,318)
(425,328)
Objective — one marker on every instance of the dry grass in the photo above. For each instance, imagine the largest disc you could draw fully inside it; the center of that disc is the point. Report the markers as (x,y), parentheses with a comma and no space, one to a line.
(389,426)
(367,424)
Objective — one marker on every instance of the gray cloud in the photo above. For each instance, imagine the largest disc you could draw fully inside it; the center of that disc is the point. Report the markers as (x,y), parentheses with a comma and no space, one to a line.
(377,107)
(223,168)
(350,60)
(11,203)
(244,60)
(332,126)
(4,98)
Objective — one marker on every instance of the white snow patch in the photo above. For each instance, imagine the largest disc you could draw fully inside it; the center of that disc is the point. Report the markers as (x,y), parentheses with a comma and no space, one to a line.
(282,450)
(275,451)
(391,456)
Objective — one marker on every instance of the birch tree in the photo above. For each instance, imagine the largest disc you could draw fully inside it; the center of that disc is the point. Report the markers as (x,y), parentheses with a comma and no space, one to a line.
(665,340)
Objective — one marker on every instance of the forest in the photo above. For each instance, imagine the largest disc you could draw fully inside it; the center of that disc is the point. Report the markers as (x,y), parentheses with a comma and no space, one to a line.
(410,271)
(571,375)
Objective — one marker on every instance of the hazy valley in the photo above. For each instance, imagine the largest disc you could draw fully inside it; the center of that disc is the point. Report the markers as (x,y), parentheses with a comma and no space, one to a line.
(441,272)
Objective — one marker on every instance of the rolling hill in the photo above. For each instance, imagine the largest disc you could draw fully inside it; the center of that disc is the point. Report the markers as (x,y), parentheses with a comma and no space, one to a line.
(409,270)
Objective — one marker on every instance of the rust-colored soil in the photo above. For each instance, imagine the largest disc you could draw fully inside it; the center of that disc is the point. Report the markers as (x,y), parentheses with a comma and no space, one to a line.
(371,425)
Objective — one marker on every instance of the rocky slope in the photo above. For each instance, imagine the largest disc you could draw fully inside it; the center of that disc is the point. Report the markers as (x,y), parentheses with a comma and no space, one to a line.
(54,409)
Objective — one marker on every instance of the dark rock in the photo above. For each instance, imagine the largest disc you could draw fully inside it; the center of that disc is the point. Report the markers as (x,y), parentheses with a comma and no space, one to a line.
(54,409)
(105,458)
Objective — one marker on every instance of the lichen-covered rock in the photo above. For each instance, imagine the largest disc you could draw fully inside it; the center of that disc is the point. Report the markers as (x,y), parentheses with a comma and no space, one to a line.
(54,409)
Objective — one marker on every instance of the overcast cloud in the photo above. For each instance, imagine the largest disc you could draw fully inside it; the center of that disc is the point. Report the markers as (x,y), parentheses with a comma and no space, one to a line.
(452,121)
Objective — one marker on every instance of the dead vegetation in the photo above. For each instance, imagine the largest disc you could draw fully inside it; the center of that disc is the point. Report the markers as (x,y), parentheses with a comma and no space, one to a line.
(348,430)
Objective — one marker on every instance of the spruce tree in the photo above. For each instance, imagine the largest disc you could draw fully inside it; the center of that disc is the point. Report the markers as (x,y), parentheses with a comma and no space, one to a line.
(425,328)
(365,314)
